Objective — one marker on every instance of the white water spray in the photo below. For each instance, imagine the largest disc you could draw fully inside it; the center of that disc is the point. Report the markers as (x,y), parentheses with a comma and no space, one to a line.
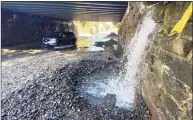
(124,85)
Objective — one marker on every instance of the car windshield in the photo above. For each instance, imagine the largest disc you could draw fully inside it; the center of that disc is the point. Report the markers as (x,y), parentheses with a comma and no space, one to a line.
(70,33)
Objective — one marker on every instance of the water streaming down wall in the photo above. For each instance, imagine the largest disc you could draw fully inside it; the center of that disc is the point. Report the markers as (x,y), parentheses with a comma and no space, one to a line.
(167,77)
(124,84)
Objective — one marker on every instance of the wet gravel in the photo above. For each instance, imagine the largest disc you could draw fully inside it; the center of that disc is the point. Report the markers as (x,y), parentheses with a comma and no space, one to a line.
(43,86)
(19,70)
(56,98)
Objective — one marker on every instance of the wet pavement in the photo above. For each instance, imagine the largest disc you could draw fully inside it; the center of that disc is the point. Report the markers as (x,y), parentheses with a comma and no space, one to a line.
(93,43)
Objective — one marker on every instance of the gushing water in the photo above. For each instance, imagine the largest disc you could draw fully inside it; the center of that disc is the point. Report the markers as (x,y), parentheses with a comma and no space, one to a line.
(124,84)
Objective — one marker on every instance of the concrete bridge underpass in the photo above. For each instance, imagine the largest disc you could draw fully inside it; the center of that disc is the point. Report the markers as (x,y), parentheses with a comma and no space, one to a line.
(69,10)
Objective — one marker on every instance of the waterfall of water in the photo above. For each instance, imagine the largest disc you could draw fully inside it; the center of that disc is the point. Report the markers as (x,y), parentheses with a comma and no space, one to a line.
(124,84)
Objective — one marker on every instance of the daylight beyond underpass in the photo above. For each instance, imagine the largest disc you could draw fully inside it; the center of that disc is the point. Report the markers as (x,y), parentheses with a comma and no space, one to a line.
(137,69)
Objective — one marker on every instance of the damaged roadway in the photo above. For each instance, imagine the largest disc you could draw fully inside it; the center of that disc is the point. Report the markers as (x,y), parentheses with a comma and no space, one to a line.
(42,86)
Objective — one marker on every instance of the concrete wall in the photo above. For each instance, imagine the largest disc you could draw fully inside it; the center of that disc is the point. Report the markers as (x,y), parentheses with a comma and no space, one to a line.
(21,28)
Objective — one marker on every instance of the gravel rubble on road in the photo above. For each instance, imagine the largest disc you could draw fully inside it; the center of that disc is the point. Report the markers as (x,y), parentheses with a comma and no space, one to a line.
(56,98)
(43,87)
(22,70)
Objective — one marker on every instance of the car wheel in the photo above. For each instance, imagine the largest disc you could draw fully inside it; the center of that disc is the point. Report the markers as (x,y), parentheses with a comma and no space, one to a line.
(73,41)
(43,48)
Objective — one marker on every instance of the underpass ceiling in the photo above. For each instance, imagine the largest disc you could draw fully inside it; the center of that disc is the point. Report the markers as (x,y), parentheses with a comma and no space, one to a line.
(74,10)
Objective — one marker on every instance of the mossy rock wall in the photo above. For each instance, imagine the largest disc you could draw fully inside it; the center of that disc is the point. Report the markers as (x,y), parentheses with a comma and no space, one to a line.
(131,19)
(167,82)
(171,67)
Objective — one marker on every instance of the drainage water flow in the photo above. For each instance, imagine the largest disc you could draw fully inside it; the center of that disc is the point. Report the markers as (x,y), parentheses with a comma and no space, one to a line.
(123,85)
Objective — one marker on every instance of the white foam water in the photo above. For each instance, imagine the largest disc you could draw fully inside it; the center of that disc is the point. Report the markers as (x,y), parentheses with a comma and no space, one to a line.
(124,84)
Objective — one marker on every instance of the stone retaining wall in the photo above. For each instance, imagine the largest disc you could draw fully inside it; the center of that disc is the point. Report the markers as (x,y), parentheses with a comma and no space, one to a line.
(167,82)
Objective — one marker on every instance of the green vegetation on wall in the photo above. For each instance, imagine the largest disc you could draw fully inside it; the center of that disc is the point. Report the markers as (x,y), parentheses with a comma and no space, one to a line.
(92,27)
(178,28)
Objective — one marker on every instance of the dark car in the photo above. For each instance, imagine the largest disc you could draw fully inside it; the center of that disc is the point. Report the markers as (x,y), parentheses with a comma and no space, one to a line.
(59,39)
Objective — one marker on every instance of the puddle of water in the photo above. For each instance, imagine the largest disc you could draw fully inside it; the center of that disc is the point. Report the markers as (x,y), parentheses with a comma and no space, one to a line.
(94,86)
(98,85)
(90,43)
